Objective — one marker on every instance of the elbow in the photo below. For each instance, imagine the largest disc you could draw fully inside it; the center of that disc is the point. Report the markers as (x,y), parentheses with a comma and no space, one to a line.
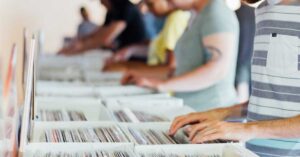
(221,73)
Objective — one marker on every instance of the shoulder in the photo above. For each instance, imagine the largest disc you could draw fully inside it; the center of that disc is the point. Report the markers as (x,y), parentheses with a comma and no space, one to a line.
(217,17)
(178,17)
(217,9)
(218,12)
(131,9)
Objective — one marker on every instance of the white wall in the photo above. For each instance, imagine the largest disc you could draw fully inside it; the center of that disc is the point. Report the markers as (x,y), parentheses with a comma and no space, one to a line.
(56,18)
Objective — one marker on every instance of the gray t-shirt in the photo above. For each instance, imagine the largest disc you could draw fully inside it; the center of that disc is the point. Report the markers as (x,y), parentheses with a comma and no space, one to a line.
(191,54)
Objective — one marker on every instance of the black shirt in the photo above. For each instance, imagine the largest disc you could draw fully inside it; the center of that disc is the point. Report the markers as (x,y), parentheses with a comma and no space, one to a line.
(135,31)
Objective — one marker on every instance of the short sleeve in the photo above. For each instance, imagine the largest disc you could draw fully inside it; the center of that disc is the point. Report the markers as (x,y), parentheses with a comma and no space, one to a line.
(219,23)
(174,27)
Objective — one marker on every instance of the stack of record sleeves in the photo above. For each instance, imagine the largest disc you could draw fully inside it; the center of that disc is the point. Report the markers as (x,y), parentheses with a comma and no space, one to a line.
(175,155)
(82,154)
(59,115)
(127,115)
(154,137)
(85,135)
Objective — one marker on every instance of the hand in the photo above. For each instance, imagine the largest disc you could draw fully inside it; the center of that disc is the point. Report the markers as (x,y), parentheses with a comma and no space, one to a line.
(192,118)
(74,48)
(219,130)
(122,55)
(133,78)
(119,56)
(150,83)
(115,67)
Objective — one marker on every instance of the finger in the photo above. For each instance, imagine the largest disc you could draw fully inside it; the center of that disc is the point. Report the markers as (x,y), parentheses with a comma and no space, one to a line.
(140,81)
(126,78)
(183,122)
(187,130)
(207,138)
(143,82)
(175,121)
(204,133)
(198,128)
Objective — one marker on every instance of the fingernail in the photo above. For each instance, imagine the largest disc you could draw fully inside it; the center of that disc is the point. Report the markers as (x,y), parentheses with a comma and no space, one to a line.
(188,129)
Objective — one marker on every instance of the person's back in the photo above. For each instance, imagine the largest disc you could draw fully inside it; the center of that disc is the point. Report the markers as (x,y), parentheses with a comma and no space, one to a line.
(191,54)
(135,31)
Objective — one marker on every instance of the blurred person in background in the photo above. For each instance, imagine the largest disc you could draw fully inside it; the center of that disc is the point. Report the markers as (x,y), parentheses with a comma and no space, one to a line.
(153,24)
(205,58)
(246,19)
(86,27)
(273,111)
(123,26)
(160,51)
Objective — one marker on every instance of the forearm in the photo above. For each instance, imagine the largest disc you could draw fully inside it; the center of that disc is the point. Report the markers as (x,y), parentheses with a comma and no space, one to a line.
(284,128)
(92,41)
(159,72)
(196,80)
(237,111)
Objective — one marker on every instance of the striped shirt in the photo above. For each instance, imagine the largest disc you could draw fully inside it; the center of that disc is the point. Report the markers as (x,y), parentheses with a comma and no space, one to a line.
(276,74)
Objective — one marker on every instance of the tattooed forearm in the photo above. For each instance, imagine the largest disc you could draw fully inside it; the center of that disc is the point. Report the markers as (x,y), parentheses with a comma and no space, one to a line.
(216,53)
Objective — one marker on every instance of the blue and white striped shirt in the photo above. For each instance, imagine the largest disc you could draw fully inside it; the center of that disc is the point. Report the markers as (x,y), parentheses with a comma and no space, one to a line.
(276,74)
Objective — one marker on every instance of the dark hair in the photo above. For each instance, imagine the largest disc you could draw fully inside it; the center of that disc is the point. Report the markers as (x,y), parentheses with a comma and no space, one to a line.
(119,4)
(82,9)
(84,13)
(252,1)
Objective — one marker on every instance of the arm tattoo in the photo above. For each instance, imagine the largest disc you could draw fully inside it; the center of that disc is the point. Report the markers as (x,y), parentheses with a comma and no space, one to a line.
(215,53)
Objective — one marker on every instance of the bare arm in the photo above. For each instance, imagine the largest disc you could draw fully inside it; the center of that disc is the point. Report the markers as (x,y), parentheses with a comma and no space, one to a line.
(221,46)
(212,115)
(284,128)
(105,36)
(208,128)
(211,130)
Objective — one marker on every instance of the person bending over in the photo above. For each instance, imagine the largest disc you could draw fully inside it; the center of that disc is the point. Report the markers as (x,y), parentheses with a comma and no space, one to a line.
(123,26)
(160,50)
(273,111)
(205,58)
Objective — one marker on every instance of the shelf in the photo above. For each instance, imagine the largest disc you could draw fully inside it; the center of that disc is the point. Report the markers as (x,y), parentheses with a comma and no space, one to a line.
(81,91)
(103,79)
(166,112)
(32,148)
(40,128)
(92,112)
